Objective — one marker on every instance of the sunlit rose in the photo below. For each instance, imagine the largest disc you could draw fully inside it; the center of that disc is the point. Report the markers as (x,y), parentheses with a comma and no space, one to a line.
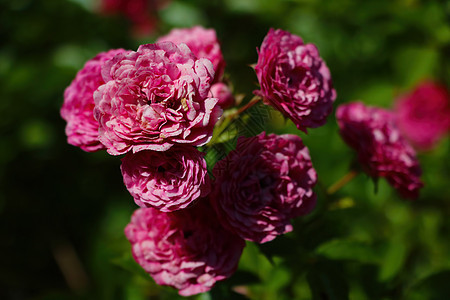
(155,98)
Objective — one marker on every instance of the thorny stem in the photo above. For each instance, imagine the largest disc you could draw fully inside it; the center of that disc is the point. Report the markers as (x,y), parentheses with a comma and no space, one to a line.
(341,182)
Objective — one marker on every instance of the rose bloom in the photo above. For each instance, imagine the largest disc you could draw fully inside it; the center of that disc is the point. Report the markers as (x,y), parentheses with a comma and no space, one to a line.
(262,184)
(423,115)
(187,249)
(77,109)
(155,98)
(382,151)
(294,79)
(202,42)
(168,180)
(222,92)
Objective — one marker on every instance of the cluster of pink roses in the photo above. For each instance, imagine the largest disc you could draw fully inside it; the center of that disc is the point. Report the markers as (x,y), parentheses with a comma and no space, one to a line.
(156,105)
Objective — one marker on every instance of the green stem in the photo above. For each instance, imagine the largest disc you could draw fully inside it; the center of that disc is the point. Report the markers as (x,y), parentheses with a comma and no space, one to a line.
(341,182)
(252,102)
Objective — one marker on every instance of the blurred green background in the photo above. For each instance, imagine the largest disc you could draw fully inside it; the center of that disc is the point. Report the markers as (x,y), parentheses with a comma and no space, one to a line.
(62,211)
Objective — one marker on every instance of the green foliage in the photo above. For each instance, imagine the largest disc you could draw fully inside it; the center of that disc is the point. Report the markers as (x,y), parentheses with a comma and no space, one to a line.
(357,244)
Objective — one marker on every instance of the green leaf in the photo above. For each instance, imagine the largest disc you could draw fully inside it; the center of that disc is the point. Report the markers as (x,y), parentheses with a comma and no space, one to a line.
(393,260)
(349,250)
(253,261)
(433,287)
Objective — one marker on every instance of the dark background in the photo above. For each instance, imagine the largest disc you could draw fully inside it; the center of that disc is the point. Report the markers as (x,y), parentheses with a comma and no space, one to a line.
(62,211)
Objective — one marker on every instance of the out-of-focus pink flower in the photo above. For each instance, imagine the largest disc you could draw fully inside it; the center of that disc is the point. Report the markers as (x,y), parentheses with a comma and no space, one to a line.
(294,79)
(155,98)
(381,150)
(168,180)
(187,249)
(423,115)
(202,42)
(78,106)
(262,184)
(221,91)
(141,13)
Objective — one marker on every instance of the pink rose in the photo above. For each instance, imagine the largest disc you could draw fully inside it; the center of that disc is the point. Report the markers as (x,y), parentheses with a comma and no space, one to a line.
(202,42)
(423,115)
(294,79)
(222,92)
(168,180)
(155,98)
(78,106)
(186,249)
(382,151)
(262,184)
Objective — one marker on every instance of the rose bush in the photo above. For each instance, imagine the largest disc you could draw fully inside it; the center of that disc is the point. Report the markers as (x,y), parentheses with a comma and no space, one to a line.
(154,98)
(262,184)
(381,149)
(294,79)
(168,180)
(187,249)
(156,105)
(78,107)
